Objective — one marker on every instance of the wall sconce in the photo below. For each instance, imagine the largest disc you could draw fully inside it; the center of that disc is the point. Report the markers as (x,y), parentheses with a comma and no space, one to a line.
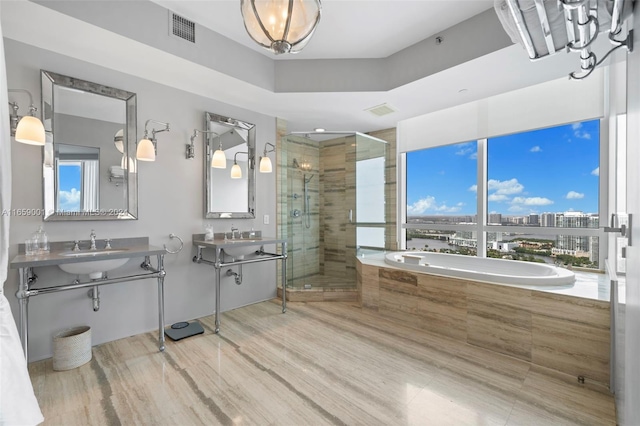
(265,162)
(118,140)
(236,171)
(147,147)
(191,150)
(27,129)
(219,159)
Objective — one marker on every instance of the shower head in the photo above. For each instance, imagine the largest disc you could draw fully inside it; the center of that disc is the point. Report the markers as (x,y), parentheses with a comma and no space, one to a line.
(295,163)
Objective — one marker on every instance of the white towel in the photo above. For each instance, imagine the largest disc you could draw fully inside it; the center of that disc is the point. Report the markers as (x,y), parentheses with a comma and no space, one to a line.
(116,171)
(18,404)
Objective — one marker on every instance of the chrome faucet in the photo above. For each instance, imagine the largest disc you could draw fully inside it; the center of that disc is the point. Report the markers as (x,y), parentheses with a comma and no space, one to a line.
(233,232)
(93,239)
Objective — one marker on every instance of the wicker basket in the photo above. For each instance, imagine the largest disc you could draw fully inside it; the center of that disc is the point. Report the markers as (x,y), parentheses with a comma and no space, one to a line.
(71,348)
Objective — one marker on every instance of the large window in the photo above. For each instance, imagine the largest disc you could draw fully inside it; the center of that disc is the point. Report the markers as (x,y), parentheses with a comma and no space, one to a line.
(541,193)
(440,184)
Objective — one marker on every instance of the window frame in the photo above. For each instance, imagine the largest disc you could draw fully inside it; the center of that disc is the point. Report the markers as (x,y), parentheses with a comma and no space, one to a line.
(482,228)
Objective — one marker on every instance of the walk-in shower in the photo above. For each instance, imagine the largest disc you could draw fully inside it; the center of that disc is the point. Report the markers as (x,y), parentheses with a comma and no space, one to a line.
(331,202)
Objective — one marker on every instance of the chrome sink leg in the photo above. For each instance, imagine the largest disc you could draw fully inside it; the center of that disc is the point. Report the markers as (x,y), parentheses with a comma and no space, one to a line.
(284,277)
(218,268)
(161,302)
(23,309)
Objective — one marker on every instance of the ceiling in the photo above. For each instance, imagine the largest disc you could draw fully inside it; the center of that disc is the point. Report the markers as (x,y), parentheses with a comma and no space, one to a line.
(347,29)
(466,67)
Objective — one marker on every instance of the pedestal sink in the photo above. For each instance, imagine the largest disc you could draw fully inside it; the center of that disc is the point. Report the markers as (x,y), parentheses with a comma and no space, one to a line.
(93,268)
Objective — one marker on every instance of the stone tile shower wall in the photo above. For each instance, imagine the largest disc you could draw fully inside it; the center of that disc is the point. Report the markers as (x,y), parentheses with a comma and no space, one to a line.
(331,237)
(337,196)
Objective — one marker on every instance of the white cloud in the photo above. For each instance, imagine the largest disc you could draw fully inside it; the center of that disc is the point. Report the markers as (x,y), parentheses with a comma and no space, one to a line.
(576,126)
(429,204)
(532,201)
(573,195)
(596,171)
(505,187)
(473,188)
(516,209)
(464,151)
(497,197)
(536,149)
(70,200)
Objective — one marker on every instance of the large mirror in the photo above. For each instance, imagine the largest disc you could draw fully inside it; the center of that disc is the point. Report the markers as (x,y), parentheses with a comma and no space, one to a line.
(89,167)
(230,182)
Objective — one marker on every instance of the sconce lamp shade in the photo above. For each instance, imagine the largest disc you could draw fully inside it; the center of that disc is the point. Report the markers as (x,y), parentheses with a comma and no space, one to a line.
(129,165)
(30,130)
(118,140)
(236,172)
(219,160)
(282,26)
(265,165)
(146,151)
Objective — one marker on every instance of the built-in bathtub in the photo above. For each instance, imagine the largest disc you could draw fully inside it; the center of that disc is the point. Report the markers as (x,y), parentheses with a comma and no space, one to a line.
(497,271)
(486,303)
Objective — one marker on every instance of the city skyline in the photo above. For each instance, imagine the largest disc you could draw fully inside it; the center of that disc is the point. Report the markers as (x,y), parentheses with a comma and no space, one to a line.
(547,170)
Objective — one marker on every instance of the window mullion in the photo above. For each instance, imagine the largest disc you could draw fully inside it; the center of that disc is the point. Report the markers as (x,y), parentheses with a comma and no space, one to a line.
(482,198)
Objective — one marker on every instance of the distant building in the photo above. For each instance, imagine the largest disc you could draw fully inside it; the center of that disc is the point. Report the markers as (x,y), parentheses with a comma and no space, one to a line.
(495,219)
(503,246)
(548,219)
(534,220)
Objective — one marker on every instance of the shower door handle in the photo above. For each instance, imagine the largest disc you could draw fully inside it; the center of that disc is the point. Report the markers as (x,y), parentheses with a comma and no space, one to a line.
(350,215)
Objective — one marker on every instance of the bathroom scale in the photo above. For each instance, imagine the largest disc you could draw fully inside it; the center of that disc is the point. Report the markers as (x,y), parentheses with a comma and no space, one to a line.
(181,330)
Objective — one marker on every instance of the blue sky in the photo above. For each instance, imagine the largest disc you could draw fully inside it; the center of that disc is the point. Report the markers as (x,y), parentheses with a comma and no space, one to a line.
(547,170)
(70,179)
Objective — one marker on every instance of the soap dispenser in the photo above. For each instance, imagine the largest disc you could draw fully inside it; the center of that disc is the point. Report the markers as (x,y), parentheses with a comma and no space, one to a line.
(208,235)
(41,241)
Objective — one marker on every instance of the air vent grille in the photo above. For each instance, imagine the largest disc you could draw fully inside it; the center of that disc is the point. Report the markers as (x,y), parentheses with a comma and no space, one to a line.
(381,110)
(182,27)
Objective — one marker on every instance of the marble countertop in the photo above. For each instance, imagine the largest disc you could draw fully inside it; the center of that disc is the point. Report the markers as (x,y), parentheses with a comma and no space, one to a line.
(198,240)
(120,248)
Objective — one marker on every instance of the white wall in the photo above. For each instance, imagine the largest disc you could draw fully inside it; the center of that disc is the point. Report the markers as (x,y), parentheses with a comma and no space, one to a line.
(627,400)
(171,192)
(543,105)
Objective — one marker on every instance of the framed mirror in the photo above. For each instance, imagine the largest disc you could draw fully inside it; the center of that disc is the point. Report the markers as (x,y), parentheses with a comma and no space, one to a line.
(89,168)
(230,182)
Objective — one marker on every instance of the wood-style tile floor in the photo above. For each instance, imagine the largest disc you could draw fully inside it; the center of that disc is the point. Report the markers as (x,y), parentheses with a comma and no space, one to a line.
(318,364)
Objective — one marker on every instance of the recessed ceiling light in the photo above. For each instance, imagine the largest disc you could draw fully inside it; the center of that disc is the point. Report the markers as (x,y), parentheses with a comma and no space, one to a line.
(319,129)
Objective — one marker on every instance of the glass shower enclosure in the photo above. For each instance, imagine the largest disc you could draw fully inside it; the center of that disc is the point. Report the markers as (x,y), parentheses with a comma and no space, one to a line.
(331,205)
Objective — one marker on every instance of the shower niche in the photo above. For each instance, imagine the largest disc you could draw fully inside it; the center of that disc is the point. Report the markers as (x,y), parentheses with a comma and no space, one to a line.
(331,205)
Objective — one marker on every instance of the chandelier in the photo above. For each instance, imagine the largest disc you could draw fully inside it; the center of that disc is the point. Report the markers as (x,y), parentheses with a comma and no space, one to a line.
(282,26)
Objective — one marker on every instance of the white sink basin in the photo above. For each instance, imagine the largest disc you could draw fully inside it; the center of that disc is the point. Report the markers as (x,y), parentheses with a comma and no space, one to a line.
(238,253)
(85,253)
(93,268)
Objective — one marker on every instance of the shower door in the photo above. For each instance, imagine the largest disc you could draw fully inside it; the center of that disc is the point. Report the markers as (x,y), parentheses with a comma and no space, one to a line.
(331,201)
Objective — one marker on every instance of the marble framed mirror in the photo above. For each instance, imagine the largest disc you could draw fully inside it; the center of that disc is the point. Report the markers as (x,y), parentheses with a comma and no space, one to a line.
(89,168)
(228,197)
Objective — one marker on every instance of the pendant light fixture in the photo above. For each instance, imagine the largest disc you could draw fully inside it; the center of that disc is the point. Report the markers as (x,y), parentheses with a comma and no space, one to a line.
(281,26)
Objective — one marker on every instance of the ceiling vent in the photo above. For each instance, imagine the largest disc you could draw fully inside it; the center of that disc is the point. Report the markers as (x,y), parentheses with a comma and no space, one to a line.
(381,110)
(182,27)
